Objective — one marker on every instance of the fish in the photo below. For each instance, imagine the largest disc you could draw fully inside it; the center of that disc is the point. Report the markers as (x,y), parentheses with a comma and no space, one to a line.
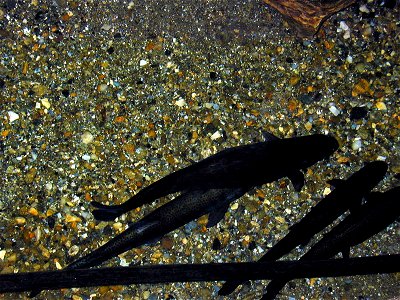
(375,215)
(245,165)
(347,195)
(168,217)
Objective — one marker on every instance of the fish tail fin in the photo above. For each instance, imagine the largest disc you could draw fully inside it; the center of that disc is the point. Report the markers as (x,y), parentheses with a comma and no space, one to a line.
(229,287)
(105,212)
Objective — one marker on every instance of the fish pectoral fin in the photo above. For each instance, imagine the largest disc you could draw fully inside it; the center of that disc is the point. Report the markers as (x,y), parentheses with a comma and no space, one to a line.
(217,215)
(335,182)
(346,252)
(297,179)
(269,136)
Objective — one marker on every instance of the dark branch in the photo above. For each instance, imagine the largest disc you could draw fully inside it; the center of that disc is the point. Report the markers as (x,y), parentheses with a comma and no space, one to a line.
(21,282)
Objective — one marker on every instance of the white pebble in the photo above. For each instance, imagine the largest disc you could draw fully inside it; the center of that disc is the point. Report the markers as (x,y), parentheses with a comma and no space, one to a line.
(86,157)
(344,26)
(143,62)
(12,116)
(334,110)
(2,254)
(216,135)
(356,145)
(364,9)
(181,102)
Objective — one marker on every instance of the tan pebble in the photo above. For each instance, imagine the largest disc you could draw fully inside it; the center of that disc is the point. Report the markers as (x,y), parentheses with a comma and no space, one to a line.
(308,126)
(184,241)
(280,219)
(33,211)
(71,218)
(146,295)
(156,255)
(12,258)
(167,243)
(76,297)
(45,253)
(87,137)
(20,220)
(235,206)
(380,105)
(117,226)
(203,220)
(73,250)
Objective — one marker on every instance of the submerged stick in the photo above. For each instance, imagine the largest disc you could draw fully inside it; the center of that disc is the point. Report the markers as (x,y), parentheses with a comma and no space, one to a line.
(50,280)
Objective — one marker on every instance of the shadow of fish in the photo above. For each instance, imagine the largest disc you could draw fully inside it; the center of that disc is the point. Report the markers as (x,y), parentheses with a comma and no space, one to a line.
(348,194)
(380,211)
(247,165)
(172,215)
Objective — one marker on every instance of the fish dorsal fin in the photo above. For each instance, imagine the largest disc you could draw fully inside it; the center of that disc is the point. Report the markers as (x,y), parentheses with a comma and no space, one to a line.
(297,179)
(335,182)
(269,136)
(217,215)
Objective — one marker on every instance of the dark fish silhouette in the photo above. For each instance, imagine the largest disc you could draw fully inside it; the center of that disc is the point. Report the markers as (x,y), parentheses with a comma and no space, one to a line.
(172,215)
(247,165)
(348,194)
(380,211)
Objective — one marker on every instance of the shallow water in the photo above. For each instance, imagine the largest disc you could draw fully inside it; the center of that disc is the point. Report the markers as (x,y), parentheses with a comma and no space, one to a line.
(98,100)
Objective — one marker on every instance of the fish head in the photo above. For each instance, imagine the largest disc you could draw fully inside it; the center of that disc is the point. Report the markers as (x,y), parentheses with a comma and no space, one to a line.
(308,150)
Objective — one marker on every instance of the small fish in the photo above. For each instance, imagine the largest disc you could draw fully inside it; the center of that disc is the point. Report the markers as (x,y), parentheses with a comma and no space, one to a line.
(380,211)
(247,165)
(348,194)
(172,215)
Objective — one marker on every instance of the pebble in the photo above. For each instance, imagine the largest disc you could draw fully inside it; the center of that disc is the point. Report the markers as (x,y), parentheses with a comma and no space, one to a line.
(87,137)
(334,110)
(358,112)
(180,103)
(73,250)
(12,116)
(20,220)
(356,145)
(71,218)
(2,254)
(45,102)
(216,135)
(235,206)
(380,105)
(143,62)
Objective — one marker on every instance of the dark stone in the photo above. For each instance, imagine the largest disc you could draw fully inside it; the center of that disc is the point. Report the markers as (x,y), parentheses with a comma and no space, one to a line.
(358,112)
(118,35)
(51,222)
(65,93)
(309,98)
(2,83)
(252,245)
(289,60)
(110,50)
(213,75)
(216,244)
(168,52)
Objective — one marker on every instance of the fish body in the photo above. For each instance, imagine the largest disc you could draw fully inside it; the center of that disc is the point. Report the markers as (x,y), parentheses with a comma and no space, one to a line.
(172,215)
(348,194)
(380,211)
(247,165)
(168,217)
